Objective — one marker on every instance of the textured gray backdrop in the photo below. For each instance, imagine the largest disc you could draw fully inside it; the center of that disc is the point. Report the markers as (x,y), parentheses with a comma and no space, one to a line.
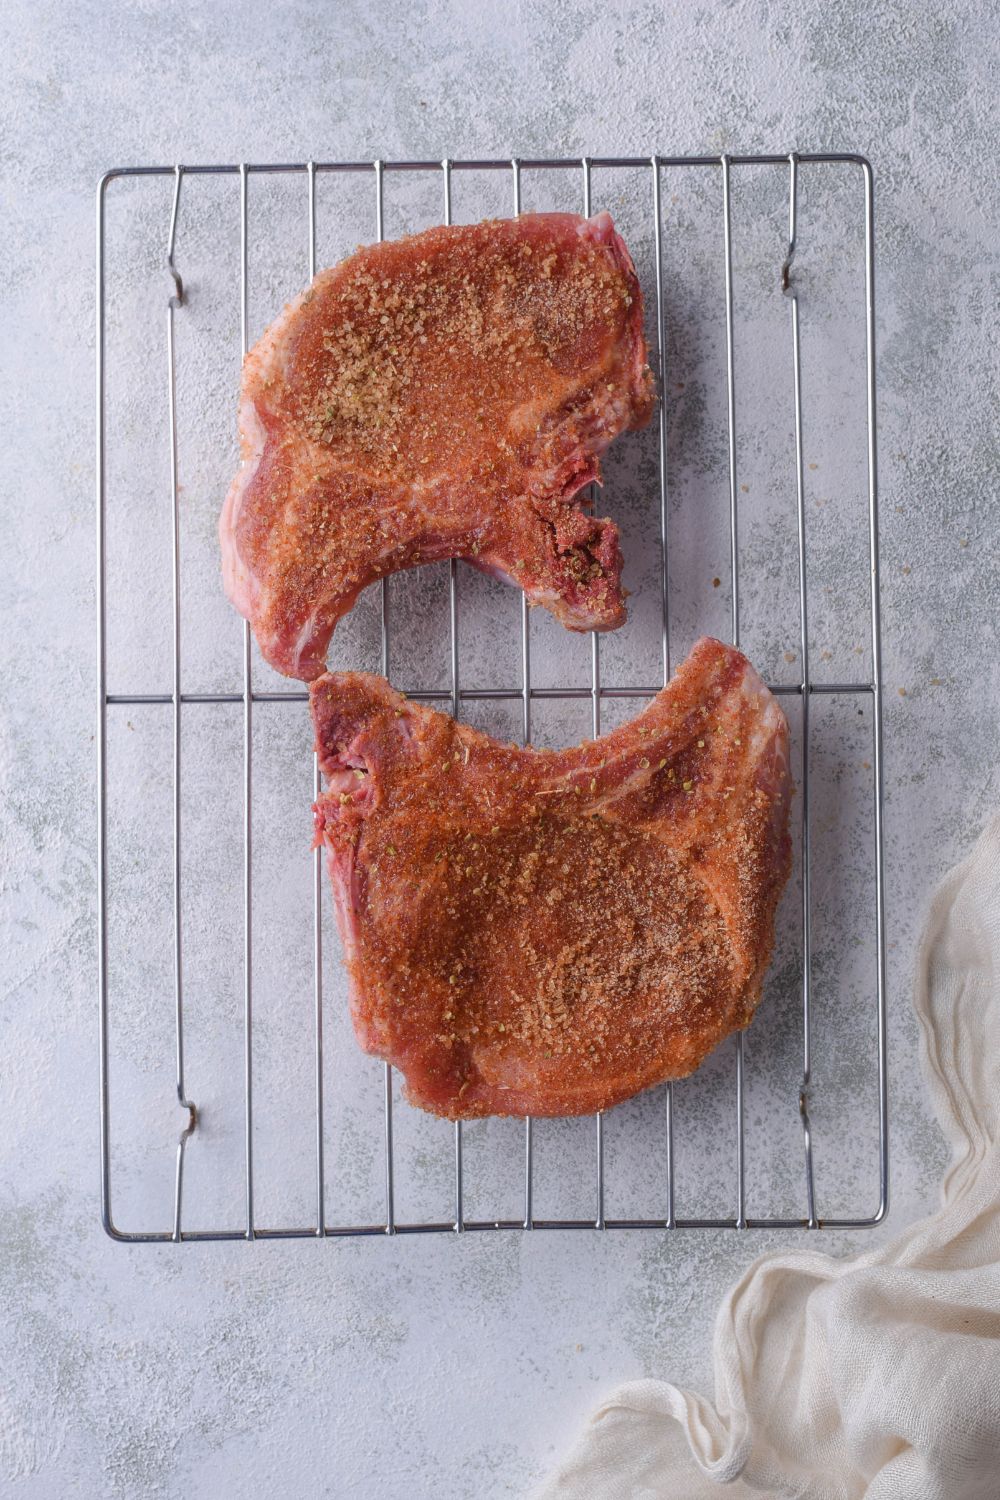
(425,1366)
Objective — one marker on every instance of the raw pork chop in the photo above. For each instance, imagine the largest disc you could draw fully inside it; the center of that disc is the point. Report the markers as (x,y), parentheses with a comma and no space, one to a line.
(445,395)
(529,932)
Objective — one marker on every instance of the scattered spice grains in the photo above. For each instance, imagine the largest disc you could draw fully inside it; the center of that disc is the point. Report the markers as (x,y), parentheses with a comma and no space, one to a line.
(421,357)
(394,322)
(522,952)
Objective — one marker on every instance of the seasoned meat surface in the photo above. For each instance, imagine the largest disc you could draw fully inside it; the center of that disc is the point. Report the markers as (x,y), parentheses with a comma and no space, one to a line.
(529,932)
(445,395)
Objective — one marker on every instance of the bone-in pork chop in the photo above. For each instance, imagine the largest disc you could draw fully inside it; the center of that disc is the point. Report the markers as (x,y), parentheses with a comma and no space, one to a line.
(529,932)
(445,395)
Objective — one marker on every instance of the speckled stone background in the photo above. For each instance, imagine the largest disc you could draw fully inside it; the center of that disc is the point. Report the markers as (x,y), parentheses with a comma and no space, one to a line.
(429,1365)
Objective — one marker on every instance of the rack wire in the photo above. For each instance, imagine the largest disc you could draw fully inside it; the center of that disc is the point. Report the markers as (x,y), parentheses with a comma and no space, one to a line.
(455,695)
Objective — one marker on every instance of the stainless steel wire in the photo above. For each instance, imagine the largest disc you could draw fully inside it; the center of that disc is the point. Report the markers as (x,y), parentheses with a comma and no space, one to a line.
(390,1188)
(734,564)
(174,302)
(455,703)
(876,650)
(661,370)
(317,870)
(595,720)
(788,288)
(455,695)
(529,1126)
(100,591)
(248,701)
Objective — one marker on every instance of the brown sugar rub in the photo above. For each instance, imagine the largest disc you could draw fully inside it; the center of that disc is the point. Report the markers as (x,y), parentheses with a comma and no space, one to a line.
(445,395)
(529,932)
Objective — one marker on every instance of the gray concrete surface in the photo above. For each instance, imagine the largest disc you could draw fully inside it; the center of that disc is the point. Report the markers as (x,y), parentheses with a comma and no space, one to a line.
(418,1366)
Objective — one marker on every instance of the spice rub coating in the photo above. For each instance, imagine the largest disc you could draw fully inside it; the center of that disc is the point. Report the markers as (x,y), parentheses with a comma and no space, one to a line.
(530,932)
(445,395)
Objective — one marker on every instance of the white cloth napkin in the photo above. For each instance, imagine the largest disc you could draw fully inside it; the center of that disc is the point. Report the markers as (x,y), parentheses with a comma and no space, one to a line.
(875,1377)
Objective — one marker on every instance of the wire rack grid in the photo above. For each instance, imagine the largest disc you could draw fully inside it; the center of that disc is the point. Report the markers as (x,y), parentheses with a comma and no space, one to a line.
(525,695)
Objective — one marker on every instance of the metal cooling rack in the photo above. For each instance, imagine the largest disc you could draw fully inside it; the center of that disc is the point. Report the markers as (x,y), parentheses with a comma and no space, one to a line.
(525,694)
